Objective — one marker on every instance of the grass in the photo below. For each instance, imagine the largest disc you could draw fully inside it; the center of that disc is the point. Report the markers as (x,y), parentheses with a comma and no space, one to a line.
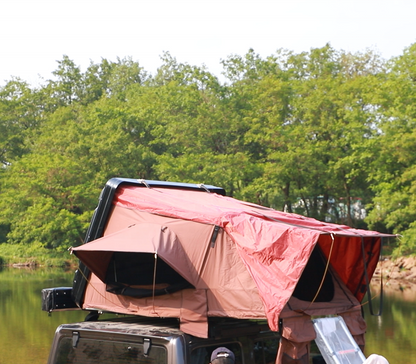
(16,254)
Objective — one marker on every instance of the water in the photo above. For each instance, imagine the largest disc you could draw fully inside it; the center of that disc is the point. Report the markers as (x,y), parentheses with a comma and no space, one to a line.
(26,331)
(393,333)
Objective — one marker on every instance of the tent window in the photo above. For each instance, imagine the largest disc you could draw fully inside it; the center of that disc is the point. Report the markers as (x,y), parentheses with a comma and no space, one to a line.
(311,279)
(132,274)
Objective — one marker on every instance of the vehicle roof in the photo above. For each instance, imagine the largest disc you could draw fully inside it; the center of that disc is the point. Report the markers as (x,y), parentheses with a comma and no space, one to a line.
(129,325)
(168,328)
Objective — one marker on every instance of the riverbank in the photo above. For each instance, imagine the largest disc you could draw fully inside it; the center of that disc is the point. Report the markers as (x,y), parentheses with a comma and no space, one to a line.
(398,276)
(403,268)
(19,256)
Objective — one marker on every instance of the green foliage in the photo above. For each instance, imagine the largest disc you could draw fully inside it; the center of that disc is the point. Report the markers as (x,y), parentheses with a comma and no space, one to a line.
(44,200)
(31,255)
(393,176)
(20,115)
(323,133)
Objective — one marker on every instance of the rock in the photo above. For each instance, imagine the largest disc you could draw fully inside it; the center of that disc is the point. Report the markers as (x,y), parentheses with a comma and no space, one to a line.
(408,262)
(398,274)
(395,275)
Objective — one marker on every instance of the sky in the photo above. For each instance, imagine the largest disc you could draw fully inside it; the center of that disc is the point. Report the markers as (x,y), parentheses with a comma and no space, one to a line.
(35,34)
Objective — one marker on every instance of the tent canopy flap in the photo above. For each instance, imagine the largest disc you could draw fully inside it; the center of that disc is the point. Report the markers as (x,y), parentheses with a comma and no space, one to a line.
(137,260)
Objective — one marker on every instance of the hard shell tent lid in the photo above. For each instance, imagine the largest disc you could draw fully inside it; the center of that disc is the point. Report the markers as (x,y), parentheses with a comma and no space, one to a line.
(274,247)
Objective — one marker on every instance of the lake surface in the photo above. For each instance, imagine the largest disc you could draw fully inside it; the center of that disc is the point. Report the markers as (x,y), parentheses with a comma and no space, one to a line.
(393,334)
(26,331)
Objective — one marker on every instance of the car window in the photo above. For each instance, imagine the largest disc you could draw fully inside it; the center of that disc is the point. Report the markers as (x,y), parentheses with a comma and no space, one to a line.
(89,351)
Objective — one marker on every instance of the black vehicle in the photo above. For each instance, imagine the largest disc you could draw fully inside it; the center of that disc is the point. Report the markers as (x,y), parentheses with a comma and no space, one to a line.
(144,340)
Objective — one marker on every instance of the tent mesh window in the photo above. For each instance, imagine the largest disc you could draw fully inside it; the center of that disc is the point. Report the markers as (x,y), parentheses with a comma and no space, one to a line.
(135,275)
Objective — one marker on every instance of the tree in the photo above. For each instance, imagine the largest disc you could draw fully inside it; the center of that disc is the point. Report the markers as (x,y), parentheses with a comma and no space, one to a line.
(45,202)
(68,86)
(394,176)
(112,79)
(48,196)
(310,118)
(20,116)
(192,122)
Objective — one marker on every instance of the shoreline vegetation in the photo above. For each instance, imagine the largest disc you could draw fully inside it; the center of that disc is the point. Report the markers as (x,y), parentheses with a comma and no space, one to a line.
(16,256)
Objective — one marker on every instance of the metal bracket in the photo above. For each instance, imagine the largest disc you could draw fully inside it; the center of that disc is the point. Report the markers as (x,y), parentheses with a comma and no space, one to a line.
(75,339)
(147,343)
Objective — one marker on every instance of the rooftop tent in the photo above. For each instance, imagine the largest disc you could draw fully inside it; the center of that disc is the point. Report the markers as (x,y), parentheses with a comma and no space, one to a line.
(220,257)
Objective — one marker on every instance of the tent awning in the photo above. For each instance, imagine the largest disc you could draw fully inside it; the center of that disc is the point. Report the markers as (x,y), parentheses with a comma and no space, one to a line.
(149,239)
